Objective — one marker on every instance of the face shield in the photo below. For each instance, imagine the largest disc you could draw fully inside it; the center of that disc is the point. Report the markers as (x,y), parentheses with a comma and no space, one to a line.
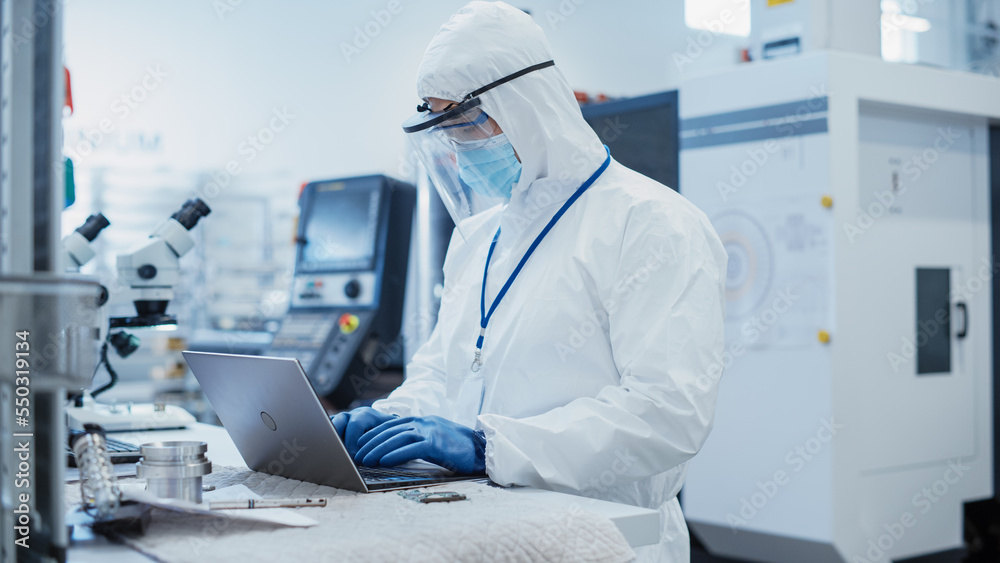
(470,161)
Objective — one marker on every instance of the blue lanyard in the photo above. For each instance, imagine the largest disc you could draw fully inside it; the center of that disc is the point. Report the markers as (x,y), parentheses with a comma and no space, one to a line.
(484,315)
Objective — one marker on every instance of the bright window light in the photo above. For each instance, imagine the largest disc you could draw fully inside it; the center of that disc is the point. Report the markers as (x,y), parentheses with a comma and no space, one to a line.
(899,41)
(731,17)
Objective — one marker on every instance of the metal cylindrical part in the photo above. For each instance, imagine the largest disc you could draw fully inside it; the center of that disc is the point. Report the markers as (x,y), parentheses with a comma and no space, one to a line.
(174,469)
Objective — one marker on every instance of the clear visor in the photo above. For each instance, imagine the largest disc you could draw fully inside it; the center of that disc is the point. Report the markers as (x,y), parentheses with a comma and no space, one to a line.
(461,153)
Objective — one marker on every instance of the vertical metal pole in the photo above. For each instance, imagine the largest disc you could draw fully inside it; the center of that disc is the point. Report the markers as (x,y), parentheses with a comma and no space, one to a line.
(7,518)
(12,260)
(7,521)
(21,139)
(31,201)
(48,94)
(6,73)
(994,152)
(48,192)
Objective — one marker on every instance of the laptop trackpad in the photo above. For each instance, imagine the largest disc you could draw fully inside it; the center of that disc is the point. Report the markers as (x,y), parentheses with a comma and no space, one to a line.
(425,467)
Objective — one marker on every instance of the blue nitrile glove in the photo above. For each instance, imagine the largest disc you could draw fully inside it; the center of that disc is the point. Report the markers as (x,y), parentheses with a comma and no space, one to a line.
(431,438)
(353,424)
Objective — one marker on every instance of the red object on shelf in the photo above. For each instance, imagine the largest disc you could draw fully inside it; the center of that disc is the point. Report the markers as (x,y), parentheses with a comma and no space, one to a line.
(581,97)
(69,91)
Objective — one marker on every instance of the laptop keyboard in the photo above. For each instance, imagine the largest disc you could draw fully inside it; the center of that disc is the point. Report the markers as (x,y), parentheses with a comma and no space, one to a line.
(382,474)
(119,451)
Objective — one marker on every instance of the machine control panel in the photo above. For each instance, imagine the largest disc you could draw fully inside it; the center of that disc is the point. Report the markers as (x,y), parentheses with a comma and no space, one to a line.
(334,290)
(347,294)
(324,343)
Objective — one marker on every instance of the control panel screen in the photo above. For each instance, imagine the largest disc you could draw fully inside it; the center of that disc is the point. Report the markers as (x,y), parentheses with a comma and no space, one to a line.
(341,228)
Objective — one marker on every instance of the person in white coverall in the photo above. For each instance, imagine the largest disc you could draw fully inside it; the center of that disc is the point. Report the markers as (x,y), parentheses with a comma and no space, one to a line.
(578,345)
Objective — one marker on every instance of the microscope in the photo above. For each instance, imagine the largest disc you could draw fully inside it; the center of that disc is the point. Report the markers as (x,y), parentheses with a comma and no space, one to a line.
(150,270)
(153,268)
(77,245)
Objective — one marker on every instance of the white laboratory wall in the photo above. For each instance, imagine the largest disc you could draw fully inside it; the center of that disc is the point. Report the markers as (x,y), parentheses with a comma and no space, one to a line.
(323,86)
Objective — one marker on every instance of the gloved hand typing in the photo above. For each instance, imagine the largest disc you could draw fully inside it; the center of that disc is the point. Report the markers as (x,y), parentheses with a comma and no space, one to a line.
(353,424)
(432,438)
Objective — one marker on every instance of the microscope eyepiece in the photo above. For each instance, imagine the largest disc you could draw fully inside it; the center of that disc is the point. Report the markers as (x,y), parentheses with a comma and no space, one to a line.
(191,212)
(93,226)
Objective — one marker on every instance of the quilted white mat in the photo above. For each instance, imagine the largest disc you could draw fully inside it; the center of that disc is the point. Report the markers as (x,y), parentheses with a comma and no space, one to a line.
(493,525)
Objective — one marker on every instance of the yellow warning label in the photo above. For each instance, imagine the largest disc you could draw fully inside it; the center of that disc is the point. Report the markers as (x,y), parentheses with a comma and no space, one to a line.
(778,2)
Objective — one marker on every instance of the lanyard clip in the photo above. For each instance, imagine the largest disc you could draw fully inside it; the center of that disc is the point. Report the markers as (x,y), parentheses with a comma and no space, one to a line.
(478,361)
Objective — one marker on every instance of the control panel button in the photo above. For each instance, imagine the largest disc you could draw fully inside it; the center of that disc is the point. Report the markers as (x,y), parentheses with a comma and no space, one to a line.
(348,323)
(352,289)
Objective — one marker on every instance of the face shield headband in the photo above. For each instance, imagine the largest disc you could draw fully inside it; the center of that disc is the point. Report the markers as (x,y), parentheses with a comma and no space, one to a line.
(425,118)
(471,163)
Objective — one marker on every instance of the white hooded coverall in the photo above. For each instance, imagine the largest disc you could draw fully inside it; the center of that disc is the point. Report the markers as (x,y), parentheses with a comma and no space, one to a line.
(602,362)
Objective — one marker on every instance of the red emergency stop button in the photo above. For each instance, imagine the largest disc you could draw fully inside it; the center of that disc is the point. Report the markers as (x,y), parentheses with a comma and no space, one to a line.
(348,323)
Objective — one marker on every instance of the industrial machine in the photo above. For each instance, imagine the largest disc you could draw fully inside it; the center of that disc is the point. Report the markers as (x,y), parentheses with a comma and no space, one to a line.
(855,414)
(345,312)
(641,132)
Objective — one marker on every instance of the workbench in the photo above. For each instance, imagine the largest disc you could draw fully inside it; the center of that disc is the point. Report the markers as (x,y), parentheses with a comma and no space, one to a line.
(639,526)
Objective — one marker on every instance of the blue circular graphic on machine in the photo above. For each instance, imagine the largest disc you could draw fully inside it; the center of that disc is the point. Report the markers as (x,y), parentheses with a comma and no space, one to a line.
(750,271)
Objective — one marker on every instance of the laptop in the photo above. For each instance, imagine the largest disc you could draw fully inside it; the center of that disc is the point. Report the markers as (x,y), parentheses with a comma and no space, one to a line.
(279,426)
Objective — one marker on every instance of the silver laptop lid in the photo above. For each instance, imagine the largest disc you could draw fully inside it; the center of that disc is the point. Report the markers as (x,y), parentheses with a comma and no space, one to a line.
(274,418)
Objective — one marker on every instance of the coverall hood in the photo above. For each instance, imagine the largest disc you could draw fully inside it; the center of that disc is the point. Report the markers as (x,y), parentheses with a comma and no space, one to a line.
(486,41)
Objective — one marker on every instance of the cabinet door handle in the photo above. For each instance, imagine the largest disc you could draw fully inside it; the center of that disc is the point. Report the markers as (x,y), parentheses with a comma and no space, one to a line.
(964,331)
